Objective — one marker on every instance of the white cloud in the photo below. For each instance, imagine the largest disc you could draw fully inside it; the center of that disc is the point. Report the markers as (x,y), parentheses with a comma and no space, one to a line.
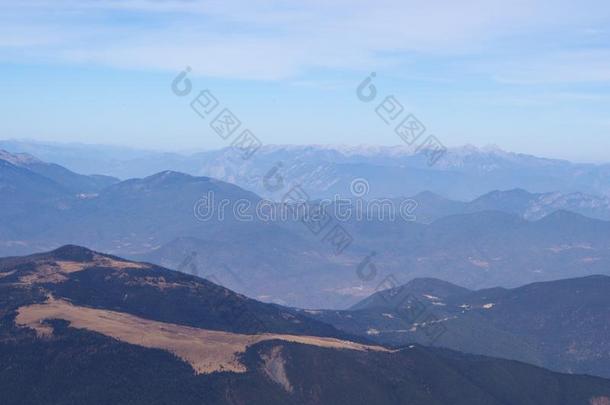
(271,40)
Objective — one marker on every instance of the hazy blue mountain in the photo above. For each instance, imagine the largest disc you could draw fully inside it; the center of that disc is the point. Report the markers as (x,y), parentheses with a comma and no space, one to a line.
(562,325)
(70,181)
(483,243)
(133,216)
(35,199)
(534,206)
(154,219)
(482,249)
(28,203)
(531,206)
(77,326)
(462,173)
(85,158)
(20,185)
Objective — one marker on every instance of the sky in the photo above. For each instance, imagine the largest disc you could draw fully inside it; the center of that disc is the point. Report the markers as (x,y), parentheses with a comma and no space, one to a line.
(529,76)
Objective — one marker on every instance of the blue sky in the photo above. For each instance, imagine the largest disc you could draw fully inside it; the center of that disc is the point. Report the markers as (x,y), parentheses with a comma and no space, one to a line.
(530,76)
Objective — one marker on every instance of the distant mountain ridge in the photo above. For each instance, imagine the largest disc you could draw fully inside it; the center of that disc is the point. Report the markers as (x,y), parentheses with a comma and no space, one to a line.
(484,243)
(530,206)
(561,325)
(393,171)
(67,180)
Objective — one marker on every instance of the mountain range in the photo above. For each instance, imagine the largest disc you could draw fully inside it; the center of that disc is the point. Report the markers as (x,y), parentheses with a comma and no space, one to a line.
(65,180)
(462,173)
(530,206)
(78,326)
(562,325)
(488,242)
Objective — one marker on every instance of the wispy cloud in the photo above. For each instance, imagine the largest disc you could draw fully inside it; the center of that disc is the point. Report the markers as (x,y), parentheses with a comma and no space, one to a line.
(577,66)
(273,40)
